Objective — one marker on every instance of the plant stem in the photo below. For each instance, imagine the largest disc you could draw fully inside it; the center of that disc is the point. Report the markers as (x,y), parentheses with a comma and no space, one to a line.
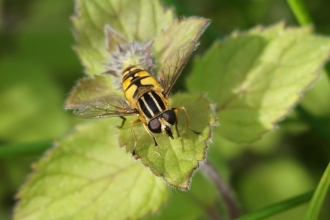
(223,188)
(300,12)
(12,150)
(319,195)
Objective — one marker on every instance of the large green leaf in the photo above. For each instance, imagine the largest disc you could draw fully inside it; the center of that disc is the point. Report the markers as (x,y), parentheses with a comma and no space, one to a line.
(87,176)
(257,77)
(175,160)
(133,20)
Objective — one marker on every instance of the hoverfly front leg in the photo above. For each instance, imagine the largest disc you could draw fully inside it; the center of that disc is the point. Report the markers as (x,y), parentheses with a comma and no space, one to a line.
(123,121)
(149,132)
(187,119)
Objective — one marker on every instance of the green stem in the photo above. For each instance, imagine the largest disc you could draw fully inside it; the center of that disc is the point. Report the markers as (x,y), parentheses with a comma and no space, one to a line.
(300,12)
(319,195)
(224,189)
(278,207)
(12,150)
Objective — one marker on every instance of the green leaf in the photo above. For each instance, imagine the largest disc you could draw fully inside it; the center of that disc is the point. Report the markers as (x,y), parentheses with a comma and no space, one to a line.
(319,196)
(257,77)
(87,176)
(200,199)
(90,88)
(175,160)
(133,20)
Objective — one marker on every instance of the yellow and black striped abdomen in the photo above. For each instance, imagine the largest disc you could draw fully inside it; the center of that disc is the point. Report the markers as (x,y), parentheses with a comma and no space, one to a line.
(134,78)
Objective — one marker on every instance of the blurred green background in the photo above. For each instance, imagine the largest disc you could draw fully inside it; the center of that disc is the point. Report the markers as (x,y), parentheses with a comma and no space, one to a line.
(38,68)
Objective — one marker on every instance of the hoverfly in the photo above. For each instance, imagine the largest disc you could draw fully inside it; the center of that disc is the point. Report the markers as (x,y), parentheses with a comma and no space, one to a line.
(146,96)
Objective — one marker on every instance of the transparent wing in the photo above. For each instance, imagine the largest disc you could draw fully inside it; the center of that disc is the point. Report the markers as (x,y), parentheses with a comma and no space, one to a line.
(108,106)
(173,65)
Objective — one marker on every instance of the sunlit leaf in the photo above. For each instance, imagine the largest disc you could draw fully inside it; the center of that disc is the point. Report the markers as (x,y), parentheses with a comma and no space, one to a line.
(87,176)
(175,160)
(179,32)
(257,77)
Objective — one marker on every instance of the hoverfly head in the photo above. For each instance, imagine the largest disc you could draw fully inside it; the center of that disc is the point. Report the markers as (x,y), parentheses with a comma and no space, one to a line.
(163,123)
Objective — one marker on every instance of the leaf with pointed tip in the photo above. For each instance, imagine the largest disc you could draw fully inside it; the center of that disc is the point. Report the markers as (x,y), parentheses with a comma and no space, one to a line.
(200,199)
(179,32)
(130,20)
(87,176)
(257,77)
(91,88)
(175,160)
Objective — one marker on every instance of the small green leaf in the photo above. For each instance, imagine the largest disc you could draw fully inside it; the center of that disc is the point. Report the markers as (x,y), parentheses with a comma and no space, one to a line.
(319,195)
(91,88)
(175,160)
(133,20)
(257,77)
(178,33)
(87,176)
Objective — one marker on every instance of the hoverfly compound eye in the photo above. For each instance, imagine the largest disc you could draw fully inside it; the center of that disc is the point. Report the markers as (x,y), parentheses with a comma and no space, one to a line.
(170,116)
(154,125)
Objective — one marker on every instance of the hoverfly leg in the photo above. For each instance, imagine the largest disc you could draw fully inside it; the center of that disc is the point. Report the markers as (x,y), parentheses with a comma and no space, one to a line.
(187,118)
(151,135)
(135,143)
(176,121)
(123,121)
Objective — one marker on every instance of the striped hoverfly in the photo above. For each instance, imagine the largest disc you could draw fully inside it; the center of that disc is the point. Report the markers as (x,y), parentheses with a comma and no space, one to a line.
(146,96)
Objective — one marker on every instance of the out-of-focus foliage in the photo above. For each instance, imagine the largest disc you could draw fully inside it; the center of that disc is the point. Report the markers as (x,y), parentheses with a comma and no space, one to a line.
(38,67)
